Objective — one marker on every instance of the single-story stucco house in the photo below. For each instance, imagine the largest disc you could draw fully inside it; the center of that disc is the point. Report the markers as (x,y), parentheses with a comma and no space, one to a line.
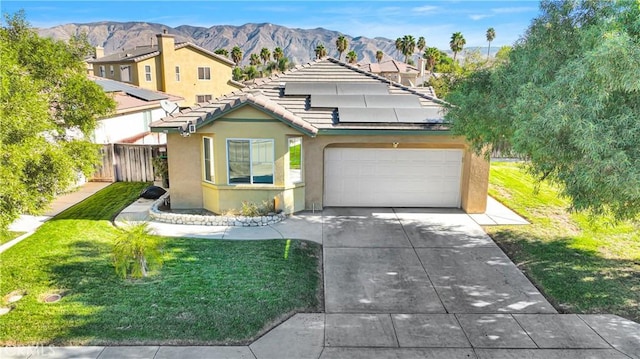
(323,134)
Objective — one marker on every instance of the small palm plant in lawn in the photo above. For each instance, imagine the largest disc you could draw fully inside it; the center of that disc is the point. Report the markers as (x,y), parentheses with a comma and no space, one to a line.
(136,251)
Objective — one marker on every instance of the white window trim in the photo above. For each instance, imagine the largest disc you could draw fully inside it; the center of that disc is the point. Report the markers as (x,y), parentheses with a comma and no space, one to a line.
(204,166)
(301,180)
(103,71)
(204,96)
(273,163)
(111,71)
(204,79)
(177,69)
(147,74)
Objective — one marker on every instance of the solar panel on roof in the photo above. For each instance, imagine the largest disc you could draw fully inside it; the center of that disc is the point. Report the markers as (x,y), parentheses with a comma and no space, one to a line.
(366,115)
(335,101)
(420,115)
(309,88)
(362,88)
(113,86)
(396,101)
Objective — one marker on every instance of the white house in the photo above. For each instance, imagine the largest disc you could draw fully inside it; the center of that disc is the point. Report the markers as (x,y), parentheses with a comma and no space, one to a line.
(136,109)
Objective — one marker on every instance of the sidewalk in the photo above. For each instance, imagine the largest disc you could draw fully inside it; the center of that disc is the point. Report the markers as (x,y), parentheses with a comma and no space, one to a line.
(29,224)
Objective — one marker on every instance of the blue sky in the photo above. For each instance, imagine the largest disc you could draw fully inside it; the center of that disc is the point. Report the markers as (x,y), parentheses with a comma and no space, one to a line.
(435,20)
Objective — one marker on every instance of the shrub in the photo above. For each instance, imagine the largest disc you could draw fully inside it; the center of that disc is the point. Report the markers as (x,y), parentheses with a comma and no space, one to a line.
(136,251)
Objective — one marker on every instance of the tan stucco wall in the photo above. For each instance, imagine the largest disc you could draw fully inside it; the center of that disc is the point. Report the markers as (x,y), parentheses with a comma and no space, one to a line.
(189,190)
(474,171)
(185,171)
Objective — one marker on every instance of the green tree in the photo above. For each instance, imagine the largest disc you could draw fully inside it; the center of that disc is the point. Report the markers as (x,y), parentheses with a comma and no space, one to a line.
(265,55)
(45,97)
(223,52)
(379,55)
(236,55)
(237,74)
(320,51)
(457,43)
(421,44)
(283,64)
(250,72)
(352,57)
(568,98)
(503,53)
(254,60)
(432,57)
(398,45)
(408,46)
(491,35)
(278,54)
(342,44)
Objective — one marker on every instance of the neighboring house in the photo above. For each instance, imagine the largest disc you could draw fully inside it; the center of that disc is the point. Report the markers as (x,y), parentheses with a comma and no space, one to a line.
(183,69)
(398,71)
(136,108)
(323,134)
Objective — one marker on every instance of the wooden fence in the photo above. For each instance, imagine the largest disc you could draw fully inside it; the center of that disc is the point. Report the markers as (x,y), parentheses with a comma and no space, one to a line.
(124,162)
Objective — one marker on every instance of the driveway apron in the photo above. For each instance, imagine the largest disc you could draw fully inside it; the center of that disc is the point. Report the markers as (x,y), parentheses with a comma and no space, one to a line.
(417,261)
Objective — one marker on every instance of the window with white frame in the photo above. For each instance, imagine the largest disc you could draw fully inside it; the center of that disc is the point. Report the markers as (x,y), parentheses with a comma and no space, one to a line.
(178,73)
(147,73)
(250,161)
(207,149)
(111,71)
(204,73)
(203,98)
(102,73)
(146,118)
(295,159)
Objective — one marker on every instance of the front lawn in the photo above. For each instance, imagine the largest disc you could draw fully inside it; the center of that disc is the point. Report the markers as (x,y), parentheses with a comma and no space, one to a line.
(583,265)
(207,292)
(6,236)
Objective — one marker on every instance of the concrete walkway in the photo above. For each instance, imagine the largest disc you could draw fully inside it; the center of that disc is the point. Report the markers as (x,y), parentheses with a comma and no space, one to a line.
(399,283)
(29,224)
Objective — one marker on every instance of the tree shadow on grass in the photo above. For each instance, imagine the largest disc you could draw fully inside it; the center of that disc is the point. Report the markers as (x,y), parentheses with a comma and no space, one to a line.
(575,280)
(207,292)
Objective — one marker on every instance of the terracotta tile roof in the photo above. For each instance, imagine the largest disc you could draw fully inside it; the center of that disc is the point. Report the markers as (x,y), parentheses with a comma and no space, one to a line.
(268,95)
(390,66)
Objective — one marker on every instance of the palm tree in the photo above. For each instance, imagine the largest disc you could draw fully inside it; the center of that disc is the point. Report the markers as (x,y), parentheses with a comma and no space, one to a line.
(342,44)
(278,54)
(250,72)
(265,55)
(236,55)
(432,56)
(408,46)
(379,55)
(457,43)
(399,45)
(283,64)
(352,57)
(254,60)
(320,51)
(223,52)
(422,43)
(491,34)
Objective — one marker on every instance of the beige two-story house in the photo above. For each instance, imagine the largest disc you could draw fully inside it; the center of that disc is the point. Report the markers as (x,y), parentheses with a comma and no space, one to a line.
(182,69)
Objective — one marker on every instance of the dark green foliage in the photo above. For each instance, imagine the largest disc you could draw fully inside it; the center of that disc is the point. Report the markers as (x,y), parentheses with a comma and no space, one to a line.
(45,97)
(568,98)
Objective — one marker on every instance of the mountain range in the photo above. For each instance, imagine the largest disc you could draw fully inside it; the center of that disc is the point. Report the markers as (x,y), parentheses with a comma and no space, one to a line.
(297,44)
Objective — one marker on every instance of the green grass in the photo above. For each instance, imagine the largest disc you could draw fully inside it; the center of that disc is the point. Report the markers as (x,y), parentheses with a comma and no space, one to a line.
(6,236)
(207,292)
(583,264)
(294,157)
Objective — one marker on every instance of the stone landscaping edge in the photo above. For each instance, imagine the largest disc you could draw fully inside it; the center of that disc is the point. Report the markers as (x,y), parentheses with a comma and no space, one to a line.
(213,220)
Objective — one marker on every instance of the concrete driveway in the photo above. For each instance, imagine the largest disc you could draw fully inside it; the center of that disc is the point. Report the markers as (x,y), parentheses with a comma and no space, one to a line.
(384,260)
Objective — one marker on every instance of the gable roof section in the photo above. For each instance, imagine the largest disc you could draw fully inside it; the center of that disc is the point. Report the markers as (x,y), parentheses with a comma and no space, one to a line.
(132,98)
(269,96)
(148,51)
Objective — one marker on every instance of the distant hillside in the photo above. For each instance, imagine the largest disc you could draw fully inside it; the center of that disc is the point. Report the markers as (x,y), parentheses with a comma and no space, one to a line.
(298,44)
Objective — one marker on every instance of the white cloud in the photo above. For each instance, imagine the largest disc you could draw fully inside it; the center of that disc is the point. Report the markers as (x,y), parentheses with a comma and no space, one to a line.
(477,17)
(513,10)
(425,9)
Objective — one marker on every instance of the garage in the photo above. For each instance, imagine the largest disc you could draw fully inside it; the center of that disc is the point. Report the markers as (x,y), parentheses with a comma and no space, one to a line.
(392,177)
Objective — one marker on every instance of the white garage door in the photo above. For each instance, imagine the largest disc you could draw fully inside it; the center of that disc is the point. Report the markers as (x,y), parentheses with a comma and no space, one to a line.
(370,177)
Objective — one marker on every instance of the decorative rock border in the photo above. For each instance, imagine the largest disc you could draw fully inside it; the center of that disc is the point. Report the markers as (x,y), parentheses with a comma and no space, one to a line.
(202,220)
